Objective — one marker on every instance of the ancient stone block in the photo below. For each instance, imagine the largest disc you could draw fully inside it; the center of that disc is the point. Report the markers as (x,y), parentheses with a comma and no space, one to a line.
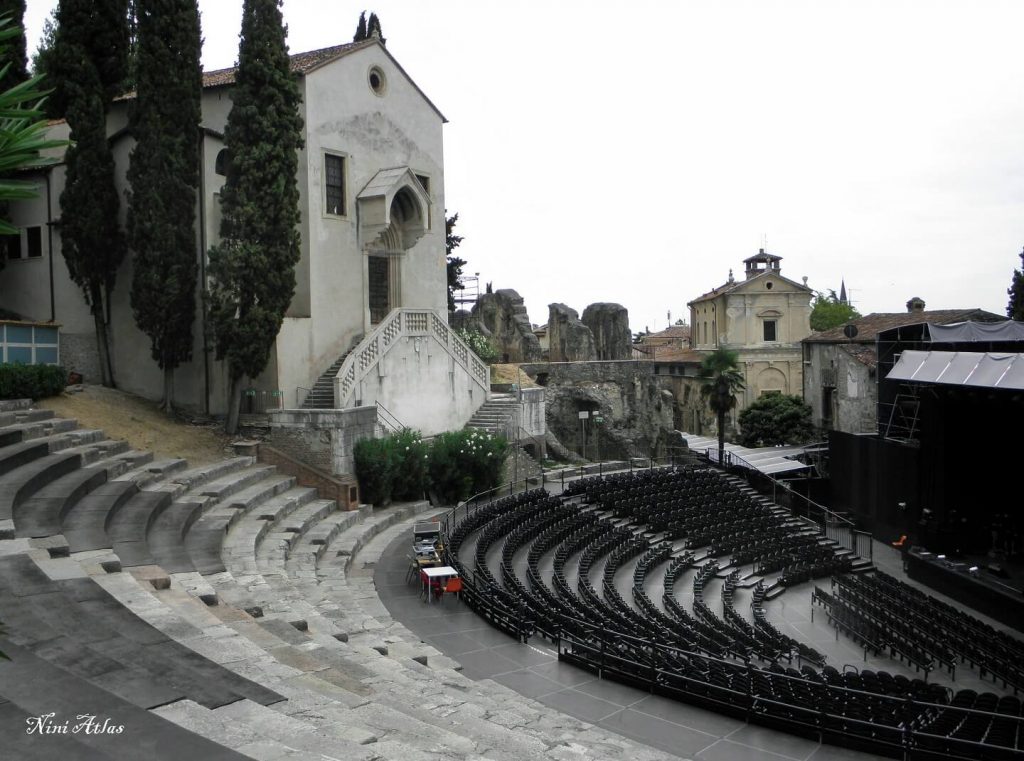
(569,339)
(609,324)
(502,316)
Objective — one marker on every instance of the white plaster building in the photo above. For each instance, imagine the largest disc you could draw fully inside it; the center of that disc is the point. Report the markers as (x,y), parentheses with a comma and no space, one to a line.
(371,182)
(763,318)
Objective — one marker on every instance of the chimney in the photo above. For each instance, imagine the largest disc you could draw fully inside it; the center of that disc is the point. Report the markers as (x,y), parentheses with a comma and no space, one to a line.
(915,305)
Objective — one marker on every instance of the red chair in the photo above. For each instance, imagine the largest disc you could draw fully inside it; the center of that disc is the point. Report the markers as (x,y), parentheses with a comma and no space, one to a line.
(426,584)
(454,586)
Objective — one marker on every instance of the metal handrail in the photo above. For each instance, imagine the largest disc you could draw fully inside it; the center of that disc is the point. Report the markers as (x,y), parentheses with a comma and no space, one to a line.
(390,422)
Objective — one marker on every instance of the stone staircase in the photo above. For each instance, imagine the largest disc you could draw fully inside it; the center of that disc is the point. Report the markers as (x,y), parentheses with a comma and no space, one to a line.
(494,414)
(493,417)
(222,612)
(321,396)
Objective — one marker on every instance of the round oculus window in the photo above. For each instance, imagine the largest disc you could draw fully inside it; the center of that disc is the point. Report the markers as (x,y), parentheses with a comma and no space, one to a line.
(769,285)
(377,81)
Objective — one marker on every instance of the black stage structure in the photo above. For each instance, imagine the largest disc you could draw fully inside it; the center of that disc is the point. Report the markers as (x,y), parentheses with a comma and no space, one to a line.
(944,468)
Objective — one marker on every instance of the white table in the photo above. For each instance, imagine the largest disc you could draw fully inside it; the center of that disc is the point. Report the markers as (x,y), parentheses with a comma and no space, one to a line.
(437,572)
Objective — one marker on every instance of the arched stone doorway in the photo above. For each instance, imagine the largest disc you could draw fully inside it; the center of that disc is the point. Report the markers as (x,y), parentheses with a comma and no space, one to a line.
(393,216)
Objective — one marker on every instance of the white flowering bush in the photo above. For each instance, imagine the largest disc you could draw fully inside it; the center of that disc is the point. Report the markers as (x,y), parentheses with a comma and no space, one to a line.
(456,465)
(479,343)
(463,463)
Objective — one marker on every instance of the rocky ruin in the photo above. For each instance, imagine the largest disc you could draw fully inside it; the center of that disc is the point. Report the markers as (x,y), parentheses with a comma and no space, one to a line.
(609,325)
(502,317)
(629,411)
(569,340)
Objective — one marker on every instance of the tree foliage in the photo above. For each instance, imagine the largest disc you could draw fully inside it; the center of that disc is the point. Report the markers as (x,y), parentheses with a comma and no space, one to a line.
(164,177)
(252,268)
(1015,309)
(827,312)
(360,34)
(88,65)
(22,130)
(14,55)
(373,29)
(454,263)
(721,380)
(88,35)
(776,419)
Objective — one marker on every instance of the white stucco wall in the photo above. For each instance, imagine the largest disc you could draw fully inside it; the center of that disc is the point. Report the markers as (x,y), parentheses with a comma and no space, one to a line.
(423,386)
(343,115)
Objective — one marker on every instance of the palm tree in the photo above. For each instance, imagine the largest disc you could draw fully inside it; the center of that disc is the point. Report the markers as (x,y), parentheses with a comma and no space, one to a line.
(720,381)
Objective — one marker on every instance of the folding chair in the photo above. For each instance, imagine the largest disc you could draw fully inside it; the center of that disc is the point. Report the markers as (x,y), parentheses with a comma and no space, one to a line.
(413,569)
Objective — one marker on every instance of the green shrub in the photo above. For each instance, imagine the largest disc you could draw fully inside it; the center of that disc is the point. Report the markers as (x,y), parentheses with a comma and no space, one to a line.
(411,459)
(375,469)
(456,465)
(19,381)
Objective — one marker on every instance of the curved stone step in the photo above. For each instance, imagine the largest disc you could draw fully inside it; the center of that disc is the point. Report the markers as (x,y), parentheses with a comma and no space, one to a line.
(273,550)
(36,688)
(17,432)
(183,481)
(85,524)
(21,482)
(248,529)
(239,492)
(128,526)
(153,471)
(115,649)
(40,514)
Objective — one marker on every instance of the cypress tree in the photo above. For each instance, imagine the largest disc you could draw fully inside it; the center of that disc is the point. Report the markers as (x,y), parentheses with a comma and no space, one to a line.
(360,34)
(88,65)
(164,175)
(373,26)
(1015,309)
(14,48)
(252,268)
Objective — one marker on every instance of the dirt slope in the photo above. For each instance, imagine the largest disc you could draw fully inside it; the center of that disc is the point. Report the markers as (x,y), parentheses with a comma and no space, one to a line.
(141,423)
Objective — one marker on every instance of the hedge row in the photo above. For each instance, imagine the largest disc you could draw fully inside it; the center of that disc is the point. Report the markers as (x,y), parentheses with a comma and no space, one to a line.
(455,465)
(19,381)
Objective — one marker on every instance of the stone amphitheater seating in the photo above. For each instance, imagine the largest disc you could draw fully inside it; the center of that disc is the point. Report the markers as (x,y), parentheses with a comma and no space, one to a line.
(214,613)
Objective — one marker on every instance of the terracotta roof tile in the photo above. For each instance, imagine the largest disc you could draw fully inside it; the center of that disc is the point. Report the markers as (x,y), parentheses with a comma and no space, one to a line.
(301,63)
(675,331)
(869,326)
(669,354)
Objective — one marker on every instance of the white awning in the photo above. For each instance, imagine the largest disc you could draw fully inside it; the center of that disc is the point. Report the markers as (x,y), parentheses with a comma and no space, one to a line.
(767,460)
(961,368)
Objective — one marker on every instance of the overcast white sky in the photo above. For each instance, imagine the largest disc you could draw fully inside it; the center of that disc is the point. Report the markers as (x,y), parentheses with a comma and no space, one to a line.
(636,151)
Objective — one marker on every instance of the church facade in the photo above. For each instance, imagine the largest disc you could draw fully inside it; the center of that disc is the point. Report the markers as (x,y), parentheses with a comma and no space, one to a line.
(763,318)
(371,182)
